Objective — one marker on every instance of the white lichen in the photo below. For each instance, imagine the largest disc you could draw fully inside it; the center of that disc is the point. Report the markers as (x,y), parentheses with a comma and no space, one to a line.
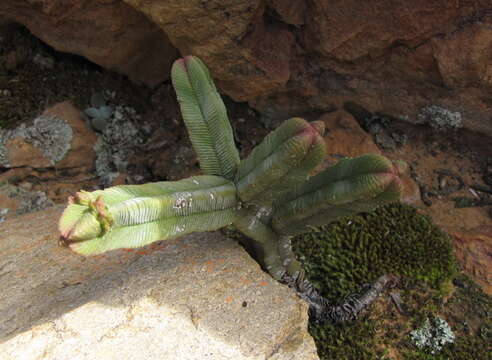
(116,143)
(433,335)
(440,118)
(48,133)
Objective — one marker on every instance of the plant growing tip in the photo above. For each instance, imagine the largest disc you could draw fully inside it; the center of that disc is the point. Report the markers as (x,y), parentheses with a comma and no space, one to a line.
(269,196)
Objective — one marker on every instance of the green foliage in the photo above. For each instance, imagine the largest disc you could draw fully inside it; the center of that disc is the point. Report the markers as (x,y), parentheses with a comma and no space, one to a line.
(342,256)
(136,215)
(394,239)
(347,188)
(205,117)
(282,161)
(265,196)
(353,341)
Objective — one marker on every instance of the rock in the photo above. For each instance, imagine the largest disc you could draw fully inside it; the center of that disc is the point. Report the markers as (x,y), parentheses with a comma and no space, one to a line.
(457,220)
(119,180)
(59,137)
(290,11)
(41,144)
(462,56)
(398,58)
(345,137)
(46,62)
(10,203)
(380,57)
(246,55)
(411,193)
(109,33)
(473,249)
(21,153)
(383,58)
(170,300)
(20,200)
(81,153)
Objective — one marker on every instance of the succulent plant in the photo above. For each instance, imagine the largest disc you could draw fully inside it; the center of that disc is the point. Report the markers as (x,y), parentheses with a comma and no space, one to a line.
(269,196)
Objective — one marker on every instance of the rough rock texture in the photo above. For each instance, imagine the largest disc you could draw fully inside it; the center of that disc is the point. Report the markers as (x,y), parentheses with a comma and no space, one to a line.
(247,56)
(393,57)
(107,32)
(59,137)
(81,153)
(287,57)
(345,137)
(16,200)
(172,300)
(473,249)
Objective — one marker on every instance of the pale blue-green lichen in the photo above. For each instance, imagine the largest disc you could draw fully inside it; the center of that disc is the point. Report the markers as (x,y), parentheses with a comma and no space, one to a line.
(117,140)
(48,133)
(440,118)
(433,335)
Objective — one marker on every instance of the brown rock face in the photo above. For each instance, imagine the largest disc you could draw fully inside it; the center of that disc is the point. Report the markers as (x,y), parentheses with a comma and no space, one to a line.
(290,11)
(396,57)
(21,153)
(108,33)
(345,137)
(81,153)
(473,250)
(287,57)
(248,56)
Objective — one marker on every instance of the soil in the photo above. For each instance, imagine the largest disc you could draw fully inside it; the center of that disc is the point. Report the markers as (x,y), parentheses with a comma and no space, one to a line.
(447,165)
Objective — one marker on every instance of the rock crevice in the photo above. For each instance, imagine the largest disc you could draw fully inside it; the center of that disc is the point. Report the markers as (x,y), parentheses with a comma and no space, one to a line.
(171,300)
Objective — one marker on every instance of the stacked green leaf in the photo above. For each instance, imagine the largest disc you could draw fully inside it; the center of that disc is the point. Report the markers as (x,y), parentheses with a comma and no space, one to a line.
(349,187)
(205,117)
(135,215)
(268,196)
(283,160)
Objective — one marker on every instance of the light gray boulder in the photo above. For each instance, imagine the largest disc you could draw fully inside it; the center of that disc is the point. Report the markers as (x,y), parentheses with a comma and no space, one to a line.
(198,297)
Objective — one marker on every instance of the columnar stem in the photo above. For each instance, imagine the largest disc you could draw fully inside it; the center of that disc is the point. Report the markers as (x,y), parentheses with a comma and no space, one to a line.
(250,224)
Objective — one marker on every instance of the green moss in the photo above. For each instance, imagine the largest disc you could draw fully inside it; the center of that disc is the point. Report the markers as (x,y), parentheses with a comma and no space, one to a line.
(343,256)
(395,239)
(350,341)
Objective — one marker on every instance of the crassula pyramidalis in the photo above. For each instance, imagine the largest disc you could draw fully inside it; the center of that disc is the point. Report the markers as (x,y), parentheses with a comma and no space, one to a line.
(269,196)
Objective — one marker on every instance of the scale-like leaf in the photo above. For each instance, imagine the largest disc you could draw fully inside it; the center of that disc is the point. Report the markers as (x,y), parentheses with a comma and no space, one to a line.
(131,216)
(281,161)
(349,187)
(205,117)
